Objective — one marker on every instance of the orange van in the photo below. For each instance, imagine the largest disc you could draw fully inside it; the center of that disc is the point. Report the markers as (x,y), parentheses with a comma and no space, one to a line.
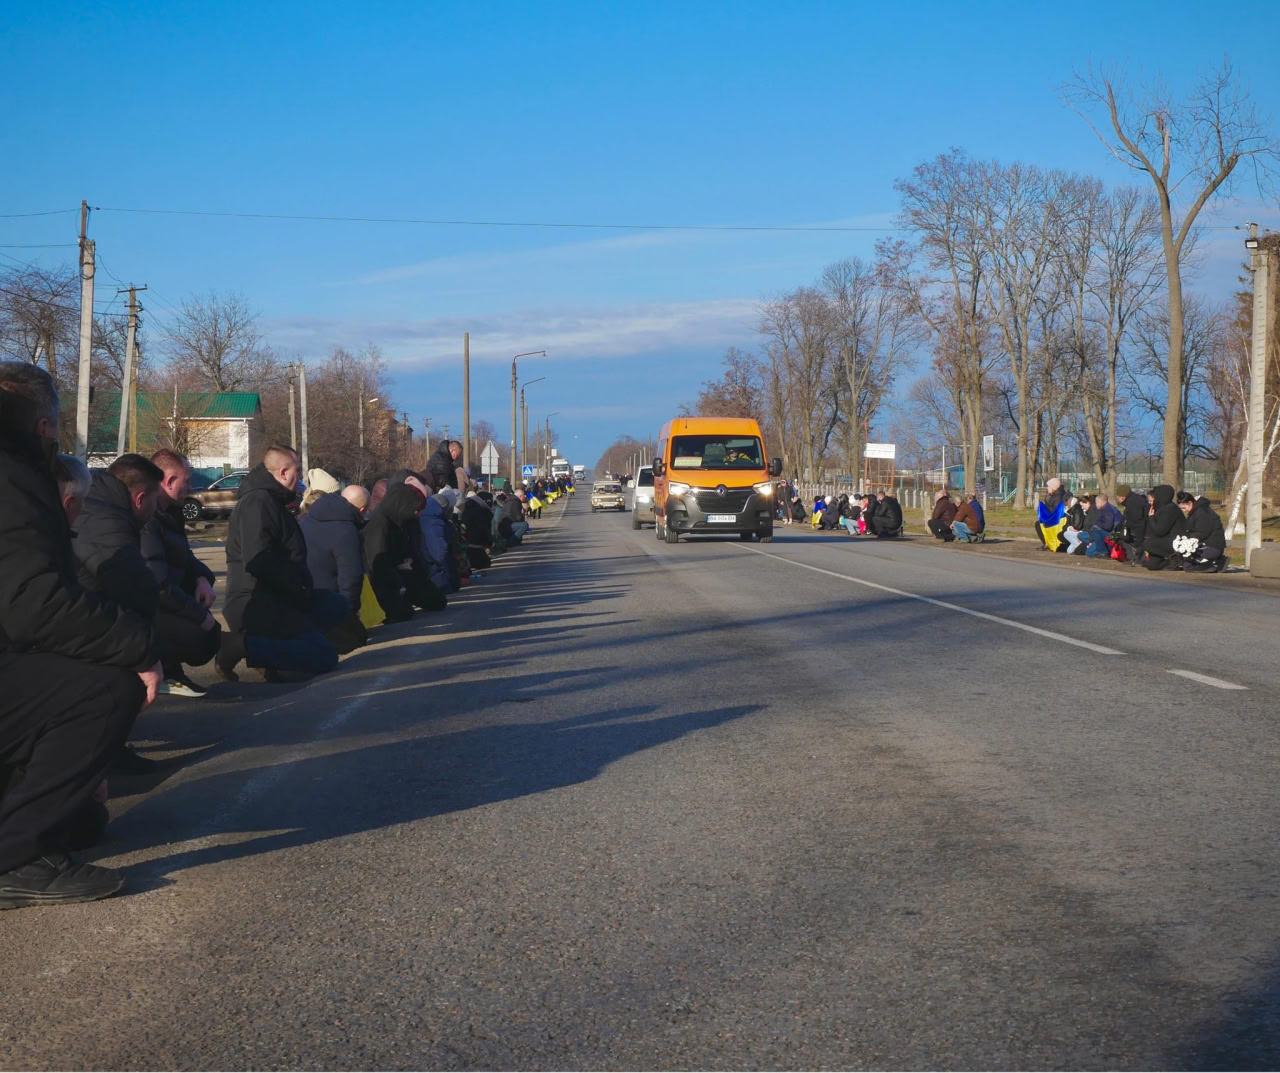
(711,475)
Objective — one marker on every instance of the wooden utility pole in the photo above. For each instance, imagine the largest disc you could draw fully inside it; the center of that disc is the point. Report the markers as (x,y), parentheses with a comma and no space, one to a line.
(86,335)
(293,413)
(129,382)
(408,438)
(1261,262)
(466,404)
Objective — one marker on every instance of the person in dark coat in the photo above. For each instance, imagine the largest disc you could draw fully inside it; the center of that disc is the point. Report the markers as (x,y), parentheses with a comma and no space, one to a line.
(335,557)
(437,531)
(476,520)
(398,578)
(1204,524)
(969,522)
(1137,509)
(444,464)
(944,513)
(277,619)
(75,669)
(185,627)
(108,536)
(1165,523)
(886,516)
(1105,524)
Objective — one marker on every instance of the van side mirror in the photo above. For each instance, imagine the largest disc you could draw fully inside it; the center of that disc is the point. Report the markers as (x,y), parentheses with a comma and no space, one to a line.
(775,466)
(659,467)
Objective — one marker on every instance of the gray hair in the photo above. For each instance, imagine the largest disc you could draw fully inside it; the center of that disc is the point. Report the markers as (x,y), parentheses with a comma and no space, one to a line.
(33,384)
(73,476)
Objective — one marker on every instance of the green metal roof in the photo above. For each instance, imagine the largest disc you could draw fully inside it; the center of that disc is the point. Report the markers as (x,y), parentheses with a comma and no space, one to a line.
(156,407)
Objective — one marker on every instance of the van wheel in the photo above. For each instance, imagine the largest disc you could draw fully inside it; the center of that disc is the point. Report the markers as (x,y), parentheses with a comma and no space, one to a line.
(670,536)
(635,522)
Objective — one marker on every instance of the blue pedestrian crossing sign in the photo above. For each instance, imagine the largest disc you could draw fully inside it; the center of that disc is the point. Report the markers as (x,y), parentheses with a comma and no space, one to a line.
(526,471)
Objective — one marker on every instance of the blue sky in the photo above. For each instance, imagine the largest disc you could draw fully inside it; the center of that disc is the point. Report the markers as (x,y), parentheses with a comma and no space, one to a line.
(690,113)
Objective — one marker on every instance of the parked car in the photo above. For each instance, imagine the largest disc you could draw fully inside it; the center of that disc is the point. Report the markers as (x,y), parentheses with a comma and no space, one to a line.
(642,498)
(218,500)
(607,495)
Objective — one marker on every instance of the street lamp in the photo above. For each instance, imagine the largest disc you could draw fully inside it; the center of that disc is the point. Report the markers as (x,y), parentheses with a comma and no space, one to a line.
(552,414)
(524,417)
(515,462)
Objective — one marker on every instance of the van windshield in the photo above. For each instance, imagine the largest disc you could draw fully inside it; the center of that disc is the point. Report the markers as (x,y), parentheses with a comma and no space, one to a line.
(716,452)
(645,480)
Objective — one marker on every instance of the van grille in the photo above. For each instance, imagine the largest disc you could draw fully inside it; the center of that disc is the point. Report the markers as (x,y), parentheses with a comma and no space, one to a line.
(732,502)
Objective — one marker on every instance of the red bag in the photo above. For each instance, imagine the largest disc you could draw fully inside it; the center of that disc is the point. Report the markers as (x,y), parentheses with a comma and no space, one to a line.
(1117,550)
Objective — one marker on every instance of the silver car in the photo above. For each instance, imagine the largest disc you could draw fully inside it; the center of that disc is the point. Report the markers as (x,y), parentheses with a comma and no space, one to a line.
(641,489)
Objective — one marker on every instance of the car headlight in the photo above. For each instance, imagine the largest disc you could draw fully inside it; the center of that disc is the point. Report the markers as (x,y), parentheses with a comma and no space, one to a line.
(764,489)
(675,488)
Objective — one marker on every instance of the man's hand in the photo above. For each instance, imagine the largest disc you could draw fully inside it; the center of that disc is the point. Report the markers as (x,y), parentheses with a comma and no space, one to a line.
(204,594)
(151,678)
(209,622)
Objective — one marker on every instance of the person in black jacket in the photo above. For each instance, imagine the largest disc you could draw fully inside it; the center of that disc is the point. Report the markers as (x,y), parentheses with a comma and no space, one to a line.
(75,669)
(108,536)
(335,557)
(1205,526)
(1165,523)
(444,466)
(276,617)
(886,516)
(944,513)
(391,538)
(185,627)
(1137,508)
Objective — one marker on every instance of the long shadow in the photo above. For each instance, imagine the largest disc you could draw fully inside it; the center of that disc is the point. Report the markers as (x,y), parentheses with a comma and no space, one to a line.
(1245,1036)
(384,785)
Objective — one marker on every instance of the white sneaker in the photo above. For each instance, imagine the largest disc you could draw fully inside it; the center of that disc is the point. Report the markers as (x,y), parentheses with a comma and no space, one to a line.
(181,687)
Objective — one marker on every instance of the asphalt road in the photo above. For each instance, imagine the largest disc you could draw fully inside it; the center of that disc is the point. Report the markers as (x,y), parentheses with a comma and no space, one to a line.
(821,803)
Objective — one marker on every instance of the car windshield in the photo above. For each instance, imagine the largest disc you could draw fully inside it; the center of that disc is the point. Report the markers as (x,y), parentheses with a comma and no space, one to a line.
(608,487)
(645,480)
(716,452)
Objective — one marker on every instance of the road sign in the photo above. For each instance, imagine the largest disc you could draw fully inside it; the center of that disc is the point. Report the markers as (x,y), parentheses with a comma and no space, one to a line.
(489,459)
(988,453)
(880,450)
(527,471)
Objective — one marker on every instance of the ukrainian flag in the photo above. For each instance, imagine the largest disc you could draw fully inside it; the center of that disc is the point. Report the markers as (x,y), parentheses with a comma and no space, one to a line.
(1052,522)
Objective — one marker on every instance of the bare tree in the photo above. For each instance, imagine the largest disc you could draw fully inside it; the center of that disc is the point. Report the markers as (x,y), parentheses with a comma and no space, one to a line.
(217,338)
(1189,150)
(39,317)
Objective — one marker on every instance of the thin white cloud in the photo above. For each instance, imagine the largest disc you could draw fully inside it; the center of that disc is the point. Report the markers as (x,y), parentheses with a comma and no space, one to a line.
(566,333)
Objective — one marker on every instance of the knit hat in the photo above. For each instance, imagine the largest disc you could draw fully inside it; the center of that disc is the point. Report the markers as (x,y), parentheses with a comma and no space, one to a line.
(320,481)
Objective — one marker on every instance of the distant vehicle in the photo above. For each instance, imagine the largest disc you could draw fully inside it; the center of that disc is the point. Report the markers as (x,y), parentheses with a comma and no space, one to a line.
(559,467)
(712,475)
(607,495)
(579,473)
(642,497)
(218,500)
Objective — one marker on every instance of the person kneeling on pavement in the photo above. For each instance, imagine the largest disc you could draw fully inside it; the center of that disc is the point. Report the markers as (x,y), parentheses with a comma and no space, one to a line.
(187,631)
(969,522)
(276,618)
(75,670)
(335,557)
(1165,523)
(1204,528)
(392,553)
(944,513)
(1104,524)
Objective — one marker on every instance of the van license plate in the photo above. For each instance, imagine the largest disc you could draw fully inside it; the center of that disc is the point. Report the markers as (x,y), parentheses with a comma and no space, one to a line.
(722,517)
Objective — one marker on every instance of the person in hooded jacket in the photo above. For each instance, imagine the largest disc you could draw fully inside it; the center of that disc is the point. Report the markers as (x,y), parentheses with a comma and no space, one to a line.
(1205,525)
(438,534)
(335,557)
(944,513)
(445,464)
(831,513)
(75,669)
(886,516)
(1165,522)
(276,616)
(392,539)
(1136,510)
(477,530)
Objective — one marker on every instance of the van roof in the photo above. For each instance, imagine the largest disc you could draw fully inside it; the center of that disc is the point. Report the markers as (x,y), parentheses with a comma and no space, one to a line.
(741,426)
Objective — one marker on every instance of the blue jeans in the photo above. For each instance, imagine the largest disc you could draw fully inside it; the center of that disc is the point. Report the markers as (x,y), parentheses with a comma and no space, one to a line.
(1098,544)
(519,529)
(310,652)
(962,531)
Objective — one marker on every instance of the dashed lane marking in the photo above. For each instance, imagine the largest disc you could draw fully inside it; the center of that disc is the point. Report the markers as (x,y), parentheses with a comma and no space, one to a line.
(1062,638)
(1206,679)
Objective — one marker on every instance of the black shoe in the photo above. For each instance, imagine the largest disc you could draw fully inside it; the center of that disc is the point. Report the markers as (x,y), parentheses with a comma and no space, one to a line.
(1197,566)
(129,762)
(1220,563)
(231,650)
(56,879)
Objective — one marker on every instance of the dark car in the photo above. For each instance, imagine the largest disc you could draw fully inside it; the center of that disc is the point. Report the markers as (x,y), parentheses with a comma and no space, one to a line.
(218,500)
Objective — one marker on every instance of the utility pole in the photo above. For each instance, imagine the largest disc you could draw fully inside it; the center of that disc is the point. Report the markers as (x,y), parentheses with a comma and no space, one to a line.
(408,438)
(515,455)
(86,335)
(302,405)
(466,404)
(1261,264)
(293,413)
(129,382)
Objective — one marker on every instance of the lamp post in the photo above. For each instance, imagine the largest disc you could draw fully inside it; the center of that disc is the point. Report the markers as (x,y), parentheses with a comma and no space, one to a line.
(524,417)
(515,461)
(552,414)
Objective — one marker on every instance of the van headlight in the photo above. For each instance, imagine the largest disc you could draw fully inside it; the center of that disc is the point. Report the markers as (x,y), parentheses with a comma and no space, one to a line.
(675,488)
(764,489)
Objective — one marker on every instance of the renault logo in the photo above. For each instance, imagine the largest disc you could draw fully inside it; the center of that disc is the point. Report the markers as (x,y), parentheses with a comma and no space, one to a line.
(721,490)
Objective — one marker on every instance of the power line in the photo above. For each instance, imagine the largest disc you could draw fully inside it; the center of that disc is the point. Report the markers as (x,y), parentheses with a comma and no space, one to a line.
(55,305)
(37,245)
(491,223)
(20,215)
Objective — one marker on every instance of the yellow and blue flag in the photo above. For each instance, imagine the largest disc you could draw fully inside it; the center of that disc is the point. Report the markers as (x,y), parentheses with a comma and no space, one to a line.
(1052,522)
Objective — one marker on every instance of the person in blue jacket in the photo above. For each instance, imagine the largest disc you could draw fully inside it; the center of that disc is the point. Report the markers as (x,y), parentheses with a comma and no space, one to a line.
(436,521)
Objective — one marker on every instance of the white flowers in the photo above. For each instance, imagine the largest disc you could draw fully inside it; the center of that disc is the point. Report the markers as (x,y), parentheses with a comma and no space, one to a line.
(1186,546)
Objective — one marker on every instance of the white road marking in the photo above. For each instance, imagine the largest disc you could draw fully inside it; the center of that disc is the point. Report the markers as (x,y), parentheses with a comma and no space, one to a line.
(1205,679)
(1050,634)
